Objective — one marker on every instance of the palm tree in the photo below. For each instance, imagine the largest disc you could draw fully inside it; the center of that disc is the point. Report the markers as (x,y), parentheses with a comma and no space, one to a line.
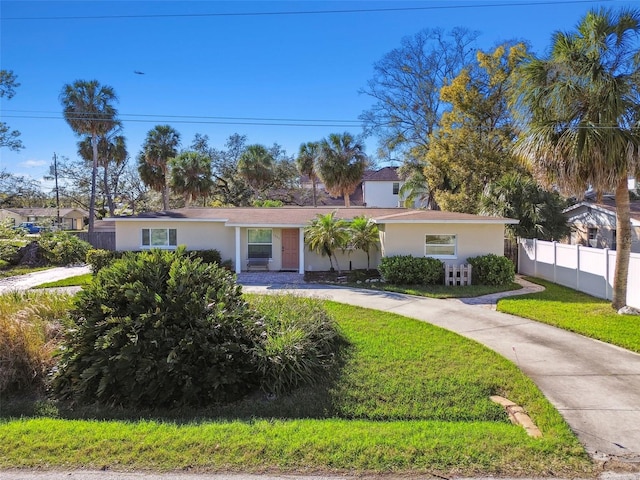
(191,176)
(581,108)
(341,164)
(160,145)
(306,162)
(112,150)
(364,236)
(256,166)
(325,234)
(519,196)
(88,109)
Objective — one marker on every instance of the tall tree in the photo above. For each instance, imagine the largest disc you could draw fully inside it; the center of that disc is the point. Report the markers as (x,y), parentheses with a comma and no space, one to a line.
(112,154)
(306,163)
(256,166)
(364,236)
(160,145)
(580,108)
(325,234)
(88,109)
(8,85)
(191,176)
(519,196)
(341,164)
(473,144)
(406,87)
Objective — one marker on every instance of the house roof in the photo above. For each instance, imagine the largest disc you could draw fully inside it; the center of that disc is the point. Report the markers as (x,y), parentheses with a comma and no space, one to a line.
(301,216)
(608,206)
(46,212)
(386,174)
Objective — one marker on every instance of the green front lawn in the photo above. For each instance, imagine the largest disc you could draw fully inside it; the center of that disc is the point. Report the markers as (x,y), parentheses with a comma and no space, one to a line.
(576,311)
(77,281)
(410,399)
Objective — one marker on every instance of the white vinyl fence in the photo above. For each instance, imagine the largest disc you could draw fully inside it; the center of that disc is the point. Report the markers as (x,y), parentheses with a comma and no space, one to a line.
(589,270)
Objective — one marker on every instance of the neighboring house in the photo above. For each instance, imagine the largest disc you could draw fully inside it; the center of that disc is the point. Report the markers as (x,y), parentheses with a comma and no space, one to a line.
(70,218)
(381,188)
(277,234)
(594,224)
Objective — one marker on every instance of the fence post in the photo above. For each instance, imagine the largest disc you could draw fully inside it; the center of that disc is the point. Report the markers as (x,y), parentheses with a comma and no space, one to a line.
(518,243)
(555,260)
(535,257)
(606,273)
(577,267)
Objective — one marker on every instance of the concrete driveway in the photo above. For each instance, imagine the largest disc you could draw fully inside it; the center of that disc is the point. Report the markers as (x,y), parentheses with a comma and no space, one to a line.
(594,385)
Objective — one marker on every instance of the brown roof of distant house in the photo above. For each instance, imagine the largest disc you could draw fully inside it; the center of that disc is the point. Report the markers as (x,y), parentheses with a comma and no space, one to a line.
(46,212)
(301,216)
(386,174)
(609,204)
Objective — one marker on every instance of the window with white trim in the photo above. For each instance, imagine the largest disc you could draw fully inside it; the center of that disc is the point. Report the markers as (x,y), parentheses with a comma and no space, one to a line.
(441,246)
(159,237)
(259,243)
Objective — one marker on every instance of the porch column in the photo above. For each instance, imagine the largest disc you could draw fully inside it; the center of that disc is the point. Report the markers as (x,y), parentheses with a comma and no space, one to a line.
(238,261)
(301,252)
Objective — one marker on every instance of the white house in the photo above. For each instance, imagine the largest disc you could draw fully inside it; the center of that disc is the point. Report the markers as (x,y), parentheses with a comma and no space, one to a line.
(274,237)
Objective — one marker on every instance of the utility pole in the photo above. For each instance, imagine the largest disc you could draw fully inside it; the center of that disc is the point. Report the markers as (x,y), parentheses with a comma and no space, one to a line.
(55,175)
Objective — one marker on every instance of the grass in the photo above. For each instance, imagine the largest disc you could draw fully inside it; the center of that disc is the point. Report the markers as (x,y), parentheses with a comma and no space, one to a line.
(443,291)
(78,280)
(410,399)
(577,312)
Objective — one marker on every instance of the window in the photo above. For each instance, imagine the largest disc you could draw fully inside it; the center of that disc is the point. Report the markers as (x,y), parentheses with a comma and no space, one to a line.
(259,244)
(159,237)
(592,234)
(614,239)
(443,246)
(396,188)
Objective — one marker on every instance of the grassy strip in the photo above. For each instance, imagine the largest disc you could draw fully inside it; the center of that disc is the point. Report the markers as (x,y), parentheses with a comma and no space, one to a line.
(411,398)
(442,291)
(78,280)
(283,445)
(577,312)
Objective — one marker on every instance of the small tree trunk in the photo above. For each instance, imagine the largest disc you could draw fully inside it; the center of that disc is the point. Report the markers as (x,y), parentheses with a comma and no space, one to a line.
(623,246)
(347,200)
(165,190)
(94,175)
(315,196)
(107,192)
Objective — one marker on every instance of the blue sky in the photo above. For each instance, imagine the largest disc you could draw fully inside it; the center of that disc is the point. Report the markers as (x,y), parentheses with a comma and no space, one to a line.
(298,67)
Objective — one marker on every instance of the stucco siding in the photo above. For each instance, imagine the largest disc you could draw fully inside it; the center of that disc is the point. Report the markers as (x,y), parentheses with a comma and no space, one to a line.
(194,235)
(356,259)
(380,194)
(472,239)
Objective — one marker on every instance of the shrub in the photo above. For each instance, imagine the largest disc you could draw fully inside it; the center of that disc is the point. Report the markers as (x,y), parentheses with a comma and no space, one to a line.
(159,329)
(299,343)
(61,248)
(410,270)
(98,259)
(30,331)
(491,270)
(207,256)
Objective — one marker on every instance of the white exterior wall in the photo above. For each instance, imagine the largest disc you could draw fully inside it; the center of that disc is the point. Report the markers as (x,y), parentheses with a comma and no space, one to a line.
(357,259)
(7,215)
(584,218)
(472,239)
(380,194)
(194,235)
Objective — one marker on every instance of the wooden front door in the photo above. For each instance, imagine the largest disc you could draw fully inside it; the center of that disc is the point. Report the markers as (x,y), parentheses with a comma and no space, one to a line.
(290,248)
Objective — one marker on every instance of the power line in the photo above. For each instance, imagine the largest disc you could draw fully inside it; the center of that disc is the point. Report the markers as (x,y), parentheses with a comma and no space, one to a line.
(206,117)
(211,122)
(314,12)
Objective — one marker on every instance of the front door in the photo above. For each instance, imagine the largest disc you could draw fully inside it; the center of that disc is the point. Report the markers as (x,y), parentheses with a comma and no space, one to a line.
(290,248)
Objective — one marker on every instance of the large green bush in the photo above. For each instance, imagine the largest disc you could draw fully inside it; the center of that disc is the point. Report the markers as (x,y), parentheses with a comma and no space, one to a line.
(491,270)
(207,256)
(160,329)
(410,270)
(298,344)
(98,258)
(61,248)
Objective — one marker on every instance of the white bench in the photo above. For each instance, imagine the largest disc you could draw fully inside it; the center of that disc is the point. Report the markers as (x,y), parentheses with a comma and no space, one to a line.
(260,263)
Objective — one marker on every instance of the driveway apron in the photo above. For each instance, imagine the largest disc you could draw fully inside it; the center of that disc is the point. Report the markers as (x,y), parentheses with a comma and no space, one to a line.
(594,385)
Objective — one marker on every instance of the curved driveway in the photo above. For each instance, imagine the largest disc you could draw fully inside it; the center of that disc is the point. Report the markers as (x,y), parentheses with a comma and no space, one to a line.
(594,385)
